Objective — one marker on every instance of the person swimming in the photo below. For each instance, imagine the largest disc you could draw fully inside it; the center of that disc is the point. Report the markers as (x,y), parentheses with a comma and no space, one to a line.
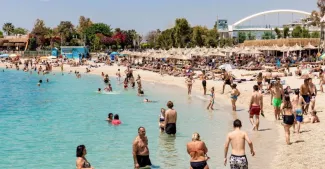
(110,117)
(147,100)
(116,120)
(99,90)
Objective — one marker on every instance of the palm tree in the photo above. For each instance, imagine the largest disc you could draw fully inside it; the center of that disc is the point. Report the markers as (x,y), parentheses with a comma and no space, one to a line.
(8,28)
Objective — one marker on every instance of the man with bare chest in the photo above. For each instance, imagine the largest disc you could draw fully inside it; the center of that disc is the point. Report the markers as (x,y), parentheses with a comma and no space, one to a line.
(306,94)
(277,92)
(141,150)
(170,119)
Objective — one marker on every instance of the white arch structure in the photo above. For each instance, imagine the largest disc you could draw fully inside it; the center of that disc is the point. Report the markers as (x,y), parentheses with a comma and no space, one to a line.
(270,12)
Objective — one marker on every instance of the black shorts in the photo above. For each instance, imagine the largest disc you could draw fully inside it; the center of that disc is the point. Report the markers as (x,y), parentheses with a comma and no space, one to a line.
(204,83)
(268,81)
(228,82)
(143,160)
(170,128)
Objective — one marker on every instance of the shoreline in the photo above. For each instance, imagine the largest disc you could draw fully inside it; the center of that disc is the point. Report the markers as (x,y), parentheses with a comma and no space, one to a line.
(279,149)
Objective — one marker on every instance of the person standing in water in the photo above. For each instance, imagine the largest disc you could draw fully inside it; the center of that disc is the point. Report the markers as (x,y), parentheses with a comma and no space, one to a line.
(234,96)
(118,75)
(81,162)
(288,117)
(162,120)
(189,81)
(204,84)
(198,153)
(170,119)
(255,107)
(237,140)
(211,103)
(110,117)
(298,102)
(141,150)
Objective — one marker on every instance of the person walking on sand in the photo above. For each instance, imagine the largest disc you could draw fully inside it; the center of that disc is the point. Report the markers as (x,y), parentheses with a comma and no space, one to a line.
(305,93)
(255,107)
(170,119)
(204,84)
(140,149)
(198,153)
(227,80)
(211,103)
(288,117)
(313,91)
(237,140)
(298,102)
(259,80)
(189,81)
(278,93)
(234,96)
(321,80)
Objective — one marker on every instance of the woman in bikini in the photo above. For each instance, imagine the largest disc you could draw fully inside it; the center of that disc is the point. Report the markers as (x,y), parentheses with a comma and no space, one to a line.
(198,153)
(288,117)
(162,119)
(298,102)
(210,106)
(234,96)
(259,80)
(189,81)
(81,162)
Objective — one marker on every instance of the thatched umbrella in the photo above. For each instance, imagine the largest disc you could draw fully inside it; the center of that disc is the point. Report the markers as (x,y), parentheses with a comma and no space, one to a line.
(309,47)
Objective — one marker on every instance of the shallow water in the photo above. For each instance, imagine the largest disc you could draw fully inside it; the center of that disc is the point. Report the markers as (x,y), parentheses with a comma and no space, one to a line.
(40,127)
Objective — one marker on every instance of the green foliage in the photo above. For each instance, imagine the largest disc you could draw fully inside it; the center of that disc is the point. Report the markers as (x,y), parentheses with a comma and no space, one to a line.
(97,28)
(182,32)
(315,35)
(32,45)
(66,31)
(8,28)
(278,33)
(20,31)
(286,31)
(268,35)
(1,34)
(241,37)
(199,36)
(166,39)
(251,36)
(297,32)
(305,33)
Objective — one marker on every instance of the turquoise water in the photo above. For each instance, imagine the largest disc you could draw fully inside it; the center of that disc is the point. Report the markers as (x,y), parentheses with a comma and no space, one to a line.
(40,127)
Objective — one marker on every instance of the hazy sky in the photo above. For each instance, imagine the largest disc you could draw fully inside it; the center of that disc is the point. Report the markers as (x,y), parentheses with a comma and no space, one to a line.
(141,15)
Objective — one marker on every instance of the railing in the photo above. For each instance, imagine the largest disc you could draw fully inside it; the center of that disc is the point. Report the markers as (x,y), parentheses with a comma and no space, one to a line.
(36,53)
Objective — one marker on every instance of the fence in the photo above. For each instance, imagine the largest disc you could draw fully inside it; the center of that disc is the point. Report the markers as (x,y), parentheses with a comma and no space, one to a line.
(36,53)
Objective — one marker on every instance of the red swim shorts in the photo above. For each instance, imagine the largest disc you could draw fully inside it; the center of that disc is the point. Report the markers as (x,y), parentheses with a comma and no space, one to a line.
(255,110)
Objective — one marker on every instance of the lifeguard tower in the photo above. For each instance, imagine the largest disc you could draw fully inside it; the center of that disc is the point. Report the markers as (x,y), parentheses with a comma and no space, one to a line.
(74,52)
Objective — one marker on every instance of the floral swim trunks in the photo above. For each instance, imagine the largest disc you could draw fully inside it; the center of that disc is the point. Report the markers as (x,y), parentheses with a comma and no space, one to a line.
(238,162)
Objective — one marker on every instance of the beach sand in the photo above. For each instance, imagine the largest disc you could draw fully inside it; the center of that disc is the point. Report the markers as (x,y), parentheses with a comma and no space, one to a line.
(304,153)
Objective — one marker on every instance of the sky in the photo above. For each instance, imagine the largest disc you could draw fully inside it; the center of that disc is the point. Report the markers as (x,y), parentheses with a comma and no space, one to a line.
(141,15)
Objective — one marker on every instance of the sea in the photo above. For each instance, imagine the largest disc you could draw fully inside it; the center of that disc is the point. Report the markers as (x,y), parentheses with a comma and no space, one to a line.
(41,126)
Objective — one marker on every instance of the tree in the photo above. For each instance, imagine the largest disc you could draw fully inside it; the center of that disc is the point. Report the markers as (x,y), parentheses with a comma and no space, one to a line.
(20,31)
(1,34)
(94,29)
(199,36)
(314,19)
(66,31)
(131,36)
(286,31)
(212,38)
(315,35)
(297,32)
(321,6)
(39,32)
(251,36)
(278,33)
(241,37)
(166,39)
(8,28)
(305,33)
(84,23)
(119,37)
(268,35)
(182,32)
(152,38)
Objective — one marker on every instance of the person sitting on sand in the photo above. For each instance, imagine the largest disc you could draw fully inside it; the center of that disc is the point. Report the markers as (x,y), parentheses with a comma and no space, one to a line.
(110,117)
(198,152)
(81,162)
(313,117)
(234,96)
(116,120)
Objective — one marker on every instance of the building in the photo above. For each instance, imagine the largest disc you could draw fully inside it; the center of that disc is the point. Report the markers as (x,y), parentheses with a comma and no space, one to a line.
(14,43)
(75,52)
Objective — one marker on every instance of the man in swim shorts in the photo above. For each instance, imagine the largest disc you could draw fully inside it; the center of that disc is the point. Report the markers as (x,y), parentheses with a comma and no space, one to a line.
(305,93)
(255,107)
(237,139)
(204,84)
(227,80)
(277,92)
(170,119)
(141,150)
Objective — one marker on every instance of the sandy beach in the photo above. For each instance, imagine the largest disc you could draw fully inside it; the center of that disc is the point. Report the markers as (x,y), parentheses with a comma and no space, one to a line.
(304,153)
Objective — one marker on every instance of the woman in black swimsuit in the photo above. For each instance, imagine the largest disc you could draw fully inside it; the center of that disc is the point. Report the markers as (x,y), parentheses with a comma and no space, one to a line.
(81,162)
(288,117)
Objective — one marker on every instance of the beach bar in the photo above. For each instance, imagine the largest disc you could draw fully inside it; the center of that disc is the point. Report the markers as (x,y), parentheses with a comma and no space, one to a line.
(74,52)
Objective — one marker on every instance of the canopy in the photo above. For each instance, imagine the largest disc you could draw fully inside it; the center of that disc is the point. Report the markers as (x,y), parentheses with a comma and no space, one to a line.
(309,46)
